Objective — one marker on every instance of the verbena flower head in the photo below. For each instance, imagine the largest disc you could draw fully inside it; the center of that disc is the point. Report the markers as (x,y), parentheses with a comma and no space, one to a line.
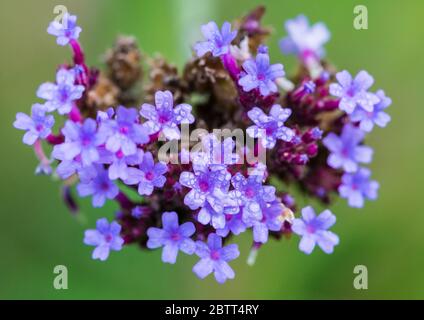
(214,258)
(353,92)
(345,150)
(304,40)
(356,187)
(81,140)
(66,30)
(251,195)
(38,126)
(367,119)
(270,128)
(100,187)
(105,237)
(261,75)
(109,141)
(124,132)
(314,230)
(217,42)
(172,237)
(61,95)
(164,117)
(148,176)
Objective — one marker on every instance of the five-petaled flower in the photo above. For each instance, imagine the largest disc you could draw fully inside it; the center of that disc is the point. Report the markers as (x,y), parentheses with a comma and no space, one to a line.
(261,75)
(345,150)
(314,230)
(173,237)
(354,93)
(304,40)
(214,258)
(148,176)
(164,117)
(124,132)
(38,126)
(270,128)
(356,187)
(80,140)
(98,185)
(66,30)
(217,42)
(61,95)
(367,119)
(105,237)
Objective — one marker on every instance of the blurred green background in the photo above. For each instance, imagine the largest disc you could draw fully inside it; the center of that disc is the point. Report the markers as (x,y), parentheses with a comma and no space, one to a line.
(37,232)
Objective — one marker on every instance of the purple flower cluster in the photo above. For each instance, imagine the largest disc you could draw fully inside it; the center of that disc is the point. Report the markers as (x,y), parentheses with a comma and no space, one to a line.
(110,146)
(363,109)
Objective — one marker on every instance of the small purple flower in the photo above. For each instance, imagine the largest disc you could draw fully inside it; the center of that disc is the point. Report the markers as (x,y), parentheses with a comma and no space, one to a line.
(105,237)
(214,258)
(38,126)
(100,187)
(61,95)
(207,185)
(119,163)
(270,128)
(173,237)
(217,42)
(261,75)
(234,224)
(314,230)
(80,140)
(66,30)
(357,186)
(345,150)
(251,195)
(124,132)
(377,116)
(148,176)
(164,117)
(354,92)
(272,220)
(304,40)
